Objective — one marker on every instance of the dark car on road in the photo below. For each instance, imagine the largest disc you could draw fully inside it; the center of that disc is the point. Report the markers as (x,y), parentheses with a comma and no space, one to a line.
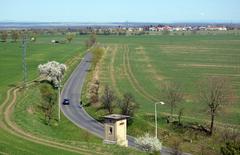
(66,101)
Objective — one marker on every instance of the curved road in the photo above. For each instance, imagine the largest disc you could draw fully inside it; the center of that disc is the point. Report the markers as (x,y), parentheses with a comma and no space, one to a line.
(75,113)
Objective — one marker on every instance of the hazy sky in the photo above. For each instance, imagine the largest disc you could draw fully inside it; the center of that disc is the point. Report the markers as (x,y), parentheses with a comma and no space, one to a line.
(120,10)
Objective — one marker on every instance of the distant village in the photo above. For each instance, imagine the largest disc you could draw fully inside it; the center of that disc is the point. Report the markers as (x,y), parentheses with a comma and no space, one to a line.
(118,28)
(184,28)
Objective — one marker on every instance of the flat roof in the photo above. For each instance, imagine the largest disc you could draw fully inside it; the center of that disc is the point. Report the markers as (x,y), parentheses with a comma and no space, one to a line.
(116,116)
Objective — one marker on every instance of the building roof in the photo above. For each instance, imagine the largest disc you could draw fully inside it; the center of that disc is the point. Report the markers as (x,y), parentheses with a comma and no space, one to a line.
(116,117)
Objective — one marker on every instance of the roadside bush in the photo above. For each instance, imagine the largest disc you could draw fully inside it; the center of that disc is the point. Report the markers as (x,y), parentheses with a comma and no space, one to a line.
(49,98)
(97,55)
(93,92)
(231,138)
(149,143)
(231,148)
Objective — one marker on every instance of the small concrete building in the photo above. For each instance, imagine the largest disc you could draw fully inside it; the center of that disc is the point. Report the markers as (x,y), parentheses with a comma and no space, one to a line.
(115,128)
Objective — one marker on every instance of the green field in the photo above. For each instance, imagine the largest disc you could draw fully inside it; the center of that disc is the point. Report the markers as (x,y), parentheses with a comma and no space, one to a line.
(27,114)
(39,52)
(136,64)
(141,64)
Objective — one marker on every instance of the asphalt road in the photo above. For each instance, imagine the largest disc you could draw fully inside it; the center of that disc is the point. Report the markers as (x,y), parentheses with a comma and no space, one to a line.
(75,113)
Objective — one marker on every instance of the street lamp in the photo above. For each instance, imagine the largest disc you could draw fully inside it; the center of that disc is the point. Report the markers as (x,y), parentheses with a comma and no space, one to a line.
(59,100)
(162,103)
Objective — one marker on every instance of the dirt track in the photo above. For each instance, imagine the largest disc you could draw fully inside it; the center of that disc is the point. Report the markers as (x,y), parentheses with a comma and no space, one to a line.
(6,110)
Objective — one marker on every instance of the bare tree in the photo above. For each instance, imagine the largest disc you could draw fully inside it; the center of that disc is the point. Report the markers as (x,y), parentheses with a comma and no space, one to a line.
(127,104)
(216,92)
(93,38)
(180,114)
(4,36)
(108,99)
(91,41)
(15,35)
(172,94)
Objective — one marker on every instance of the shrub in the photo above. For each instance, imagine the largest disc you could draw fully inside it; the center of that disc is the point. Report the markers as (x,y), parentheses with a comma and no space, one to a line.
(149,143)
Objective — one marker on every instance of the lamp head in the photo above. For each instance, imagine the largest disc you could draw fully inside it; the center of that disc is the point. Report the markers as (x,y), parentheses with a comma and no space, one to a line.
(162,103)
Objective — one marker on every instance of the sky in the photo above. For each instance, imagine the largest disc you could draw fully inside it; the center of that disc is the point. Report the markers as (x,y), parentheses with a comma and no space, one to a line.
(120,10)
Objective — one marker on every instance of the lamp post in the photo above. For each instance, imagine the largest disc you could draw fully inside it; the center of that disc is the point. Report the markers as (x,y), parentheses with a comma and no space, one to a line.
(59,99)
(162,103)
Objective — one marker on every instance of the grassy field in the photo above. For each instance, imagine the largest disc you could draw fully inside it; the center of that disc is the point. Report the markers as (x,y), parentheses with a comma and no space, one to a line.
(136,64)
(39,52)
(140,64)
(27,114)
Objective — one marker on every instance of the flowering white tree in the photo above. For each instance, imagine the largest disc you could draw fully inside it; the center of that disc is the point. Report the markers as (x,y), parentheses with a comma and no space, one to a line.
(149,143)
(52,71)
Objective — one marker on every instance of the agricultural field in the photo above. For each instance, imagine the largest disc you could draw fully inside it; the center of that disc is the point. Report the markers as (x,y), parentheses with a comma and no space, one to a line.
(141,64)
(23,130)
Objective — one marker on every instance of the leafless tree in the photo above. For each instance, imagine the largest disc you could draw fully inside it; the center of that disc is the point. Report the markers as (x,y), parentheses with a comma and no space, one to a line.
(172,95)
(216,92)
(108,99)
(180,114)
(15,35)
(93,38)
(127,104)
(4,36)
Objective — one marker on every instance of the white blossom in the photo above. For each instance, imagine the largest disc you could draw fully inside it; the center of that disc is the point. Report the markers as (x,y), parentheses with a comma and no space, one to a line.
(148,143)
(52,71)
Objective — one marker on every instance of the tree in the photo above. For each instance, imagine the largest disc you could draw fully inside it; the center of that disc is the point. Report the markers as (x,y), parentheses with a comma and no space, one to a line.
(216,92)
(70,36)
(93,38)
(49,99)
(108,99)
(127,104)
(52,71)
(180,114)
(149,143)
(4,36)
(173,95)
(14,35)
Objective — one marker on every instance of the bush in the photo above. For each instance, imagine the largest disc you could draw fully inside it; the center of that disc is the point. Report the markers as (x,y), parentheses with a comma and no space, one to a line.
(149,144)
(97,55)
(231,148)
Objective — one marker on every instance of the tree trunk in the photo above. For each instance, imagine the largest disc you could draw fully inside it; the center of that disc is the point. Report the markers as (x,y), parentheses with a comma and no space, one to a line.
(171,118)
(212,123)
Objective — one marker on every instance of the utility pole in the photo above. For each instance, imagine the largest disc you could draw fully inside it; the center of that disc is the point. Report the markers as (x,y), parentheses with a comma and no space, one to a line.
(24,64)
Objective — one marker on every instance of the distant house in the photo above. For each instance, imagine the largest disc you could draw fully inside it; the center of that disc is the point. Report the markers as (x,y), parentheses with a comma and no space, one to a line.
(216,28)
(152,29)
